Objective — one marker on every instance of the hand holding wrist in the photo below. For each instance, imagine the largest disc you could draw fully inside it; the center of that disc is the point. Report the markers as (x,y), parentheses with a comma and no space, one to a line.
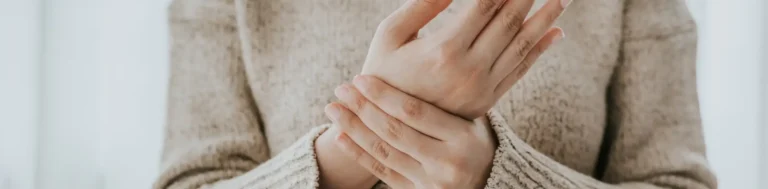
(409,143)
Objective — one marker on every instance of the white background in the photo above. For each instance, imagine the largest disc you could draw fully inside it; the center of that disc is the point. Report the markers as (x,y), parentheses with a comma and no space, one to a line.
(83,84)
(82,93)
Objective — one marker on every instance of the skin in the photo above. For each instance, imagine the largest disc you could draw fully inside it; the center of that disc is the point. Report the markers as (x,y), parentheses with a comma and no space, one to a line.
(465,67)
(424,94)
(421,146)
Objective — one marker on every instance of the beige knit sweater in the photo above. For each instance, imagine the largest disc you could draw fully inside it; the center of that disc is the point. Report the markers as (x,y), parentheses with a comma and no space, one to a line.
(614,105)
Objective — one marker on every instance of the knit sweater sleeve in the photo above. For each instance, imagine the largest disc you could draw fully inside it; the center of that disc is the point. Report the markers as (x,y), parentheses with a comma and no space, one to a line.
(213,137)
(654,138)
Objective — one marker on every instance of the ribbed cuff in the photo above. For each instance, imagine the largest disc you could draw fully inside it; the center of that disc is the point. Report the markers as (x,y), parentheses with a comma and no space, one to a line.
(295,167)
(516,165)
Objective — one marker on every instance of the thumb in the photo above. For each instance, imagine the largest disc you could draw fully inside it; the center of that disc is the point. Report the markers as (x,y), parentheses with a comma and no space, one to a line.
(402,25)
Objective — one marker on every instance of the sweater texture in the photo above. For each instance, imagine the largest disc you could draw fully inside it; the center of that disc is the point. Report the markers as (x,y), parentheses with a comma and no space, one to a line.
(613,105)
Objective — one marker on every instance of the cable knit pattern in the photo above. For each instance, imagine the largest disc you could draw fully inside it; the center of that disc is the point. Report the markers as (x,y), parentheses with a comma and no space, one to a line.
(614,105)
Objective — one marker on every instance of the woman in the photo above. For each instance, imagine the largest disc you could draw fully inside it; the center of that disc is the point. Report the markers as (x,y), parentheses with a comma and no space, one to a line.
(613,106)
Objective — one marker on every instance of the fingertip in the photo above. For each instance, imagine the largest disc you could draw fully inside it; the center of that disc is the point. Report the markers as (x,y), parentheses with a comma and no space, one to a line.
(559,34)
(330,105)
(361,81)
(360,77)
(342,91)
(333,111)
(561,30)
(556,29)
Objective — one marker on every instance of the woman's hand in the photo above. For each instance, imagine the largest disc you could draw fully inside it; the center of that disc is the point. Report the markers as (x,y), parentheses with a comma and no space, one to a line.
(430,148)
(467,66)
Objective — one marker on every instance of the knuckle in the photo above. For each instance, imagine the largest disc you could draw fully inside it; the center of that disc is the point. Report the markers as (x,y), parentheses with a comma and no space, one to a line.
(525,65)
(394,129)
(380,149)
(536,51)
(356,102)
(523,47)
(513,21)
(487,6)
(379,169)
(357,155)
(373,90)
(413,108)
(351,98)
(522,69)
(359,103)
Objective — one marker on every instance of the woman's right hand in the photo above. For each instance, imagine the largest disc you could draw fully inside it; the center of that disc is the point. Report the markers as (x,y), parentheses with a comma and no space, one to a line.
(468,65)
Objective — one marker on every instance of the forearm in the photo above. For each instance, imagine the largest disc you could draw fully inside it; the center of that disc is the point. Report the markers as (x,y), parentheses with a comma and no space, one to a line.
(336,169)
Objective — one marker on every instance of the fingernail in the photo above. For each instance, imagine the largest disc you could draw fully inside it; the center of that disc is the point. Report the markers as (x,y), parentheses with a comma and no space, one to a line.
(341,91)
(360,82)
(565,3)
(559,38)
(332,112)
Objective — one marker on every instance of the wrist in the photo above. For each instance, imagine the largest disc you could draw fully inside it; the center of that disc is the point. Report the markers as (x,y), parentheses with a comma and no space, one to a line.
(336,169)
(484,123)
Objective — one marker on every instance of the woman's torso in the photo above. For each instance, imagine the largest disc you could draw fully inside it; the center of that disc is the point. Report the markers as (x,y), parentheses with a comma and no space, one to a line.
(303,49)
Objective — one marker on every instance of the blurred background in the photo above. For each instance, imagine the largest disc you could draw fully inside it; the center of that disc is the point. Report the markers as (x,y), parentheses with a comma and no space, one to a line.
(83,87)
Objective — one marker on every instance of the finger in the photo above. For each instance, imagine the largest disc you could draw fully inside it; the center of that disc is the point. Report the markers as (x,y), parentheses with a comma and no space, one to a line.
(392,178)
(393,131)
(418,114)
(350,124)
(552,36)
(533,30)
(400,26)
(500,31)
(472,21)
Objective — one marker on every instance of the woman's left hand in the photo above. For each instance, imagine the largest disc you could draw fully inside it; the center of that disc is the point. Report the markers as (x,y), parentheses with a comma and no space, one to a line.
(408,143)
